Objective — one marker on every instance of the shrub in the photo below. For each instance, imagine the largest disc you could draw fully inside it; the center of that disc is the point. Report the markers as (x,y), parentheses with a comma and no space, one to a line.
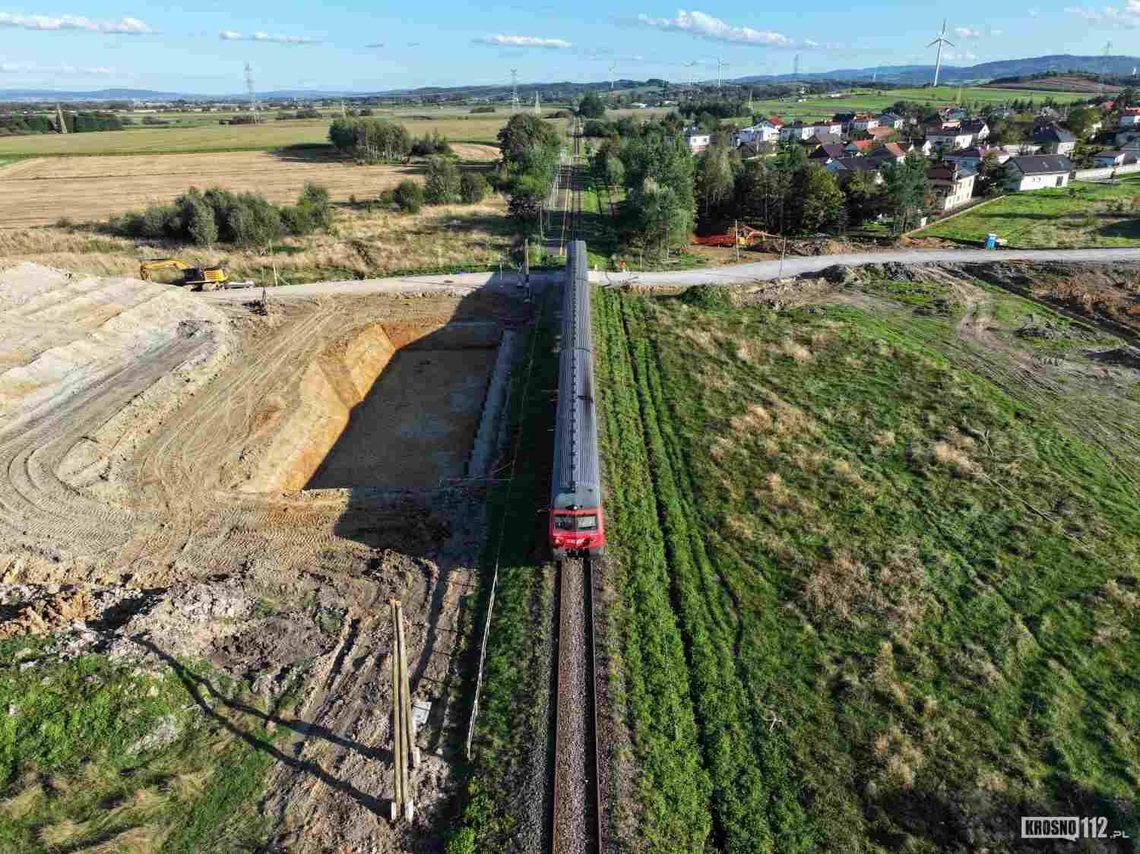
(473,188)
(483,108)
(442,185)
(370,140)
(708,297)
(429,144)
(409,196)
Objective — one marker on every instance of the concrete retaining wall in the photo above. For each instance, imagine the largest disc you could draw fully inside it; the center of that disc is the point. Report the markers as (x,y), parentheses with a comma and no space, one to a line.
(486,444)
(1104,172)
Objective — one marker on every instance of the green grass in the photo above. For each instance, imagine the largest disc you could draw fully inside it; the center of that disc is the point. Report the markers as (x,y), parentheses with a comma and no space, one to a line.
(76,768)
(868,99)
(1082,214)
(905,591)
(215,137)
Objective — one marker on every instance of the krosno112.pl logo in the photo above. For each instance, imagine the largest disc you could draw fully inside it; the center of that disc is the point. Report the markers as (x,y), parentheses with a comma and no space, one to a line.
(1068,827)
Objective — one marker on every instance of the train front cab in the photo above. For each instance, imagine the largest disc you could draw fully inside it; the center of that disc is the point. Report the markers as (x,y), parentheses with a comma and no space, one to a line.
(576,530)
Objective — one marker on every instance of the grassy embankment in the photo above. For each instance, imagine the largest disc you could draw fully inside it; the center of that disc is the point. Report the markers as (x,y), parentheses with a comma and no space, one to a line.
(1082,214)
(877,591)
(101,756)
(514,704)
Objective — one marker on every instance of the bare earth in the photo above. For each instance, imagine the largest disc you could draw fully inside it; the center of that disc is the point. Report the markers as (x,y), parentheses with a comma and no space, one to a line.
(40,191)
(152,443)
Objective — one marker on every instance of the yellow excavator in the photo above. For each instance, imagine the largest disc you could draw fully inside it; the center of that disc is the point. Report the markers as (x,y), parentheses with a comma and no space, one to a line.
(198,278)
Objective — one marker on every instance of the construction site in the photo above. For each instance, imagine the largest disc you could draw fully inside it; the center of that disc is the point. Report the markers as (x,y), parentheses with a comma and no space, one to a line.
(248,483)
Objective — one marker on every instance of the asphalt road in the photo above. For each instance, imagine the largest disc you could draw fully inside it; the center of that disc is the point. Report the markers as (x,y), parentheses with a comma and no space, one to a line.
(460,284)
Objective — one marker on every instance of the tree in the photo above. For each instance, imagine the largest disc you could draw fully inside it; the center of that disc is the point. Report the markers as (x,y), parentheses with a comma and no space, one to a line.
(442,184)
(201,226)
(473,188)
(822,205)
(715,174)
(863,198)
(370,140)
(990,173)
(530,149)
(409,196)
(905,189)
(660,204)
(591,106)
(1081,120)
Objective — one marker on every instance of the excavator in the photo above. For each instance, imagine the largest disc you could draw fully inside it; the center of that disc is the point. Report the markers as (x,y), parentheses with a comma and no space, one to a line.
(198,278)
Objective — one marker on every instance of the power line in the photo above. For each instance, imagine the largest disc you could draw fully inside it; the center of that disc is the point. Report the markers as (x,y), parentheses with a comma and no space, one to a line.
(514,90)
(250,92)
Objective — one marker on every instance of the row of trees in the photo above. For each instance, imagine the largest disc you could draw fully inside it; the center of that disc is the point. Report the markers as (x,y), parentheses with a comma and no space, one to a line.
(83,122)
(530,150)
(372,140)
(220,216)
(445,184)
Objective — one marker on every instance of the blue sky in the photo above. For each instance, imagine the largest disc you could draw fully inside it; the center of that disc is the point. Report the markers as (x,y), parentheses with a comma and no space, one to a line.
(363,45)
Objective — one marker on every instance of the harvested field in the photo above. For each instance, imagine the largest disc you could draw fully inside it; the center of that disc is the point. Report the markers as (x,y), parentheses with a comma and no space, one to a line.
(40,191)
(151,447)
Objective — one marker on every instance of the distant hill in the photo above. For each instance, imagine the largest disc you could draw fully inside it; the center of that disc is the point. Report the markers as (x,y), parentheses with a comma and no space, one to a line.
(918,75)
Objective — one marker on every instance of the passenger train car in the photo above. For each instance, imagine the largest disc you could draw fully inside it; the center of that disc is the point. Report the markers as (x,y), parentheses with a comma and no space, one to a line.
(577,525)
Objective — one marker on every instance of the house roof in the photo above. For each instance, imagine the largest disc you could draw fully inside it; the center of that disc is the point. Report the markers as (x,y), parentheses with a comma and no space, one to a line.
(1042,164)
(861,144)
(857,164)
(879,132)
(1052,133)
(1110,152)
(946,172)
(829,150)
(826,139)
(886,151)
(974,126)
(1131,111)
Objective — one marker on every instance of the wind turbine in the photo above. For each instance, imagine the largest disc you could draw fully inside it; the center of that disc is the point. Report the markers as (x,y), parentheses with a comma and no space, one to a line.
(720,64)
(689,66)
(941,40)
(613,68)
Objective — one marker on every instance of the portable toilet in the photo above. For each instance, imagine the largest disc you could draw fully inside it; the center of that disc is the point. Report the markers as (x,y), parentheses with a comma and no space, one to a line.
(991,241)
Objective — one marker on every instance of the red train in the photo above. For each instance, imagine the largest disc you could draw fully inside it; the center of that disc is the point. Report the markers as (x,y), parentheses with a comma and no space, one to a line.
(577,524)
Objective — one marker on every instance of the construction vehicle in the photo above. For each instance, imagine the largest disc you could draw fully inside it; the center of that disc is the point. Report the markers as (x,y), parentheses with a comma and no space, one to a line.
(198,278)
(738,235)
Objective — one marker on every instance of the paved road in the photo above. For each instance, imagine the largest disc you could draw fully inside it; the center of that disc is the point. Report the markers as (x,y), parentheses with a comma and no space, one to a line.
(762,270)
(461,284)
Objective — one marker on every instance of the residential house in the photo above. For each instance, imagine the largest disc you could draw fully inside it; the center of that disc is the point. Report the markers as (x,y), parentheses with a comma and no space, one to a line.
(948,137)
(799,131)
(971,158)
(825,139)
(697,140)
(951,185)
(1114,157)
(859,146)
(1018,148)
(881,134)
(925,148)
(891,120)
(955,114)
(889,152)
(864,121)
(832,127)
(850,165)
(756,134)
(827,152)
(1037,171)
(1055,140)
(1130,117)
(977,127)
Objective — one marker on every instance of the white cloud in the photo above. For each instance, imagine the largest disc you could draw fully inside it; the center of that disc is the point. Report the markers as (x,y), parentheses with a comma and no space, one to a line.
(709,27)
(524,41)
(1126,17)
(64,68)
(233,36)
(51,23)
(959,55)
(967,33)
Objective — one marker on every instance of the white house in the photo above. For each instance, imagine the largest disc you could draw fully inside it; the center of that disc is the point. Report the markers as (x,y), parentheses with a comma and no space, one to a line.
(951,185)
(977,127)
(1130,117)
(697,140)
(864,122)
(1055,140)
(971,158)
(890,120)
(831,127)
(1113,157)
(948,138)
(797,131)
(1037,171)
(755,134)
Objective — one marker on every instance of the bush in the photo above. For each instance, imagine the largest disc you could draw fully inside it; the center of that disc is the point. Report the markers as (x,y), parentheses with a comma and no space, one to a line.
(370,140)
(429,144)
(409,196)
(442,185)
(473,188)
(483,108)
(707,297)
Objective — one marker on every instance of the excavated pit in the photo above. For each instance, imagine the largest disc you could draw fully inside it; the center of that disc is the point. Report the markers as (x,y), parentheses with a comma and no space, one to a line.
(395,406)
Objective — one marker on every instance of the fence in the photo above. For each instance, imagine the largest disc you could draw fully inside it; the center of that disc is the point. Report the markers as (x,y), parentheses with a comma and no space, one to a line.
(1104,172)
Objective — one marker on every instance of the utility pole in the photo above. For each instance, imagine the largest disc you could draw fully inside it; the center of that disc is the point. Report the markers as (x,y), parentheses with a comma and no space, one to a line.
(59,118)
(689,68)
(250,92)
(796,67)
(537,106)
(514,90)
(940,41)
(404,750)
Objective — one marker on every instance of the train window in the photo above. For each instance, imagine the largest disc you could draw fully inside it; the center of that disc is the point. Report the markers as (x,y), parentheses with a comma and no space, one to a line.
(587,523)
(564,523)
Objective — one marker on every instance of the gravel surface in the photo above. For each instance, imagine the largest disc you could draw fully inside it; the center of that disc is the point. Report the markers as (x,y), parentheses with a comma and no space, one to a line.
(573,813)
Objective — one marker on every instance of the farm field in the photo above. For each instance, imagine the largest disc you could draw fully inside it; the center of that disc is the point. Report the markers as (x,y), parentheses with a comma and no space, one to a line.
(870,550)
(866,99)
(1079,215)
(215,137)
(39,191)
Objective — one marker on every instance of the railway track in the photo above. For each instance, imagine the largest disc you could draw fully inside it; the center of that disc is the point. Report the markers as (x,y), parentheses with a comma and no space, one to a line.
(576,820)
(570,184)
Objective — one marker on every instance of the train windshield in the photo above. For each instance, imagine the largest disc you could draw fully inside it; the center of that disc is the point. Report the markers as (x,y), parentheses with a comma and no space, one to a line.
(576,523)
